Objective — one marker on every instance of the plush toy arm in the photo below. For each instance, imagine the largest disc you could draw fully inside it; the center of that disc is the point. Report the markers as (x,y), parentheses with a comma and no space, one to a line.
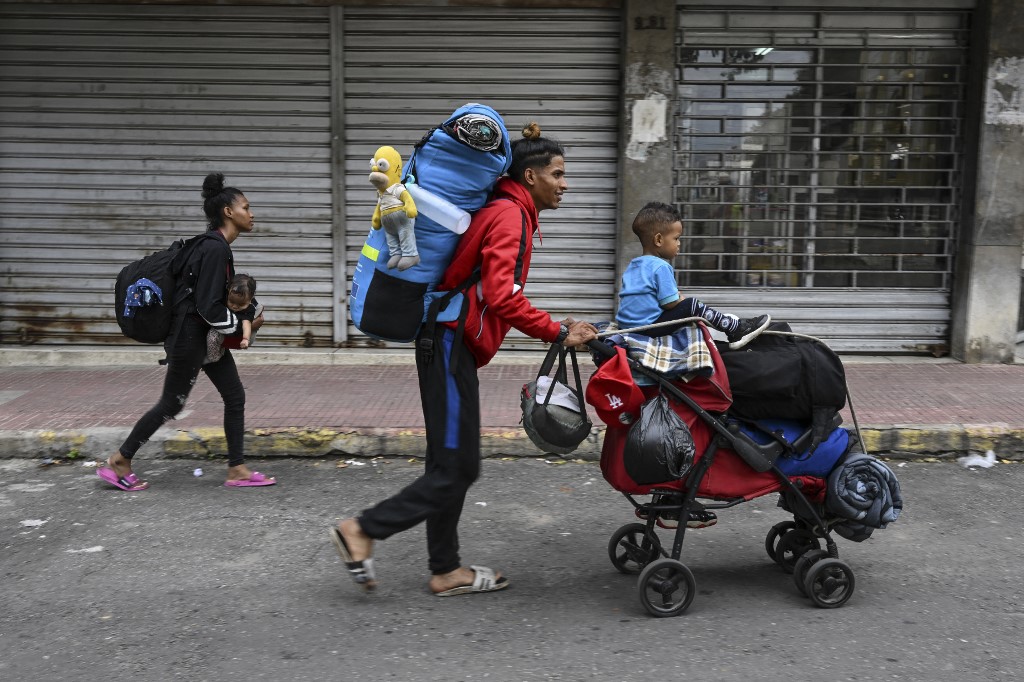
(410,204)
(375,220)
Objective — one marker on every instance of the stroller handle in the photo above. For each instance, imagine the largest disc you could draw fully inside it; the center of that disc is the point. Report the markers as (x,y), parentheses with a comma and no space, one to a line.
(603,349)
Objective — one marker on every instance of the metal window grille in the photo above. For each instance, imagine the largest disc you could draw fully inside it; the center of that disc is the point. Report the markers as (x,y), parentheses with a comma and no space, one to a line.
(819,149)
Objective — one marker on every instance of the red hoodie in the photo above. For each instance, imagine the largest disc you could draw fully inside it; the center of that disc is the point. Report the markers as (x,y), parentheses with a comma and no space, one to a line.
(492,244)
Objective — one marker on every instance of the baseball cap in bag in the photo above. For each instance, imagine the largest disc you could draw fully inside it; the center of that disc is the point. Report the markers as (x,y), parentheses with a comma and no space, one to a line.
(553,414)
(612,392)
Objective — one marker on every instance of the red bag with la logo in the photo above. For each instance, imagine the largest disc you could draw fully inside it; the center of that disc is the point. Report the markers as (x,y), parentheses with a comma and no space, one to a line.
(612,392)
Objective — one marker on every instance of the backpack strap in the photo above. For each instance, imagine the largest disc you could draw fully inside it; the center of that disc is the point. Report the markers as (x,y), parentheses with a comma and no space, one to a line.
(425,343)
(182,294)
(181,262)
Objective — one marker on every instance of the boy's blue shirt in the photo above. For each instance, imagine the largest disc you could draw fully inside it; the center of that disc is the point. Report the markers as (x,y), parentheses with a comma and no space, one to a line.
(648,283)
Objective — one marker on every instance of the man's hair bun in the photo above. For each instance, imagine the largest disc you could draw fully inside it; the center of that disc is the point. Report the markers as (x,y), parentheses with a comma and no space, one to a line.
(531,131)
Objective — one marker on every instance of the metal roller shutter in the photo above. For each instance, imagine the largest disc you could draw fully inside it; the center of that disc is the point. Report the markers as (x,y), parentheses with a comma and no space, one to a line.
(818,158)
(559,67)
(110,117)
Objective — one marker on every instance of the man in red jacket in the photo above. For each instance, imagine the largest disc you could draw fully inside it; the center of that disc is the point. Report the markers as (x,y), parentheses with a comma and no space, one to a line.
(500,243)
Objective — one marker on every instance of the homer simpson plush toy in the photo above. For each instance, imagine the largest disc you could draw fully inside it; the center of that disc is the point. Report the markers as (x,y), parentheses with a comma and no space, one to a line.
(396,210)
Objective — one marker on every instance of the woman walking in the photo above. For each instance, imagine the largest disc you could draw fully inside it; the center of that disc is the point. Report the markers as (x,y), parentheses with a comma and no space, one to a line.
(208,268)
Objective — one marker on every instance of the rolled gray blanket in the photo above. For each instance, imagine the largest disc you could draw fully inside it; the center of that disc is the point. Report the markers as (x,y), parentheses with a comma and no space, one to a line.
(865,491)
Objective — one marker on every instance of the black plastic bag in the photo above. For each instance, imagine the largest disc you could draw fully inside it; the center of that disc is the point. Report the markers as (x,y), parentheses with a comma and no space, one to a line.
(659,447)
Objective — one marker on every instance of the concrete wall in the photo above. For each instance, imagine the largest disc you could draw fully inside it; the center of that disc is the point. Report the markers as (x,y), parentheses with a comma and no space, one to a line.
(649,65)
(987,289)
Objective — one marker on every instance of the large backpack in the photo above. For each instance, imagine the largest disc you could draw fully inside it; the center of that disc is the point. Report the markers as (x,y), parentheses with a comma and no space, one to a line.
(146,292)
(391,304)
(780,376)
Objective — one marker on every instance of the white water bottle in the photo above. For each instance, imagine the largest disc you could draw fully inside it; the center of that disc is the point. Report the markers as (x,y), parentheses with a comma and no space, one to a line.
(441,211)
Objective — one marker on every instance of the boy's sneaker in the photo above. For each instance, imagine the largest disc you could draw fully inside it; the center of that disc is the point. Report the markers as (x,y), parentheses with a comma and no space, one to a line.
(747,331)
(701,519)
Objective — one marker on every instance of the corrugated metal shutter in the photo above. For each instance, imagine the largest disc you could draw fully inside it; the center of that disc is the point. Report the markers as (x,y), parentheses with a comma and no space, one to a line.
(559,67)
(110,117)
(818,168)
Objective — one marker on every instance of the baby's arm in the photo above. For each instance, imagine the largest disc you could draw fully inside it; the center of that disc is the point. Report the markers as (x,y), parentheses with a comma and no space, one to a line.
(246,333)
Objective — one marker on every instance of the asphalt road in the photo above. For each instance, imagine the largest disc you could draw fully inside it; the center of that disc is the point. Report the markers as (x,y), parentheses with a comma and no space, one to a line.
(192,581)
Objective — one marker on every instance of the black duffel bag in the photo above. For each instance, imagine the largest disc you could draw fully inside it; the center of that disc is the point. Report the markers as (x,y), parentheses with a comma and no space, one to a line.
(780,376)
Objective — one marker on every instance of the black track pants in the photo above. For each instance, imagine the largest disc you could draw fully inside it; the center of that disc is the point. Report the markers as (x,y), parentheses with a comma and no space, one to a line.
(691,307)
(451,414)
(185,356)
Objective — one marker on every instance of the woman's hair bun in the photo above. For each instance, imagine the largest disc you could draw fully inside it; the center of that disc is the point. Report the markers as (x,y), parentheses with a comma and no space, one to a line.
(531,131)
(213,185)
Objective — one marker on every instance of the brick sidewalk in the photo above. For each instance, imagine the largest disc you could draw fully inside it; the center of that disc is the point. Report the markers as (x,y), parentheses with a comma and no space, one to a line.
(913,406)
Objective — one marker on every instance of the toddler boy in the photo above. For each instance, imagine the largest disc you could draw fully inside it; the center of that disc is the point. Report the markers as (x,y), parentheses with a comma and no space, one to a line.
(649,293)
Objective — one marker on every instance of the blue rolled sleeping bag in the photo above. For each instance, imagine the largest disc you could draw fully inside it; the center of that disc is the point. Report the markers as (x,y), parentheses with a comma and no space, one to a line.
(391,304)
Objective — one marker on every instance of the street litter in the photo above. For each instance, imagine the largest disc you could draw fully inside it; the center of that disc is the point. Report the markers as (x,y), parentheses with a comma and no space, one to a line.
(985,462)
(33,523)
(87,550)
(198,472)
(56,461)
(482,504)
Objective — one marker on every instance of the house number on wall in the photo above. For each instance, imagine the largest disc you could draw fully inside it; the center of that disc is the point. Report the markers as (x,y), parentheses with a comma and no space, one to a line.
(652,22)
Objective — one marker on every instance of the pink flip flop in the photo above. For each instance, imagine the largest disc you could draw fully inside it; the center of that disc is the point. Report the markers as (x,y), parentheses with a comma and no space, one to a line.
(131,482)
(257,479)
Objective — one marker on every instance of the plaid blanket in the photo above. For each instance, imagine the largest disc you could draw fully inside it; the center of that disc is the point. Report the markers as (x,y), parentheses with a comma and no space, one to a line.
(682,355)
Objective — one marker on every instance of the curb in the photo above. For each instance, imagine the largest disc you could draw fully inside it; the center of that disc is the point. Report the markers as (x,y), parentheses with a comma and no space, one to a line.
(944,440)
(903,441)
(99,443)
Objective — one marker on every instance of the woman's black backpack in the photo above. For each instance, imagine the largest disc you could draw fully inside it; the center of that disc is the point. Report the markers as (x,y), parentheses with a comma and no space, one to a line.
(146,292)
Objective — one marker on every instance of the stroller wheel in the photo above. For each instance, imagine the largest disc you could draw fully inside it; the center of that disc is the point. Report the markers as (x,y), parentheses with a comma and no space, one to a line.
(771,541)
(630,549)
(803,564)
(829,583)
(666,588)
(792,545)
